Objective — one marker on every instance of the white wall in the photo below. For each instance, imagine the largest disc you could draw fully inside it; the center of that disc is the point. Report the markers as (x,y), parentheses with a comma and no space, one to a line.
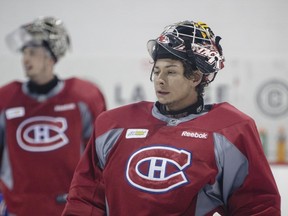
(109,47)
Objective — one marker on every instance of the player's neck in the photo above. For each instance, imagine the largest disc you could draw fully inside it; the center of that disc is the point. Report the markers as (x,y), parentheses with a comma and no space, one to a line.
(192,109)
(44,88)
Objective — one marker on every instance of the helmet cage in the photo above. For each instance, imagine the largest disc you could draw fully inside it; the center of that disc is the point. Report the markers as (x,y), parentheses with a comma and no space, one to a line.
(48,32)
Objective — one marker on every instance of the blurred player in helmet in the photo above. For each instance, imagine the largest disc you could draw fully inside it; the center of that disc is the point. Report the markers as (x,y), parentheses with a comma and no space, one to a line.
(177,156)
(45,122)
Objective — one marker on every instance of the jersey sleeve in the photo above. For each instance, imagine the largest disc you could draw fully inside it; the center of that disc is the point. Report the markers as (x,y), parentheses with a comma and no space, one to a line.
(86,195)
(6,94)
(258,195)
(1,134)
(94,99)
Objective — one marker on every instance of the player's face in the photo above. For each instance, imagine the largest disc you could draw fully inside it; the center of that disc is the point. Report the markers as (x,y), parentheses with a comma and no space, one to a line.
(37,64)
(172,88)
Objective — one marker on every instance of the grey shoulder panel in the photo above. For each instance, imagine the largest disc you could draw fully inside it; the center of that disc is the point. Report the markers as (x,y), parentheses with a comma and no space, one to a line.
(87,119)
(104,144)
(232,171)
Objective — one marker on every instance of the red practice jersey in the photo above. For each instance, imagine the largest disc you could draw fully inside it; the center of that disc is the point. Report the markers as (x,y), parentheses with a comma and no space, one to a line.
(140,162)
(42,138)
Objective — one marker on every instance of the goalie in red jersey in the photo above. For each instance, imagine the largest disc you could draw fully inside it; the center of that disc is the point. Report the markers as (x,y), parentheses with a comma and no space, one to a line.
(45,122)
(176,156)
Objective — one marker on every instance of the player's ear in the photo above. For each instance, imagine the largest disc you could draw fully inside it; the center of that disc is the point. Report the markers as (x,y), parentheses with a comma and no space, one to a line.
(197,77)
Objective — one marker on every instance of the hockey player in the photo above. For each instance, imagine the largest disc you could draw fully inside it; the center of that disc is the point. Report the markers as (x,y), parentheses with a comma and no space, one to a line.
(176,156)
(45,122)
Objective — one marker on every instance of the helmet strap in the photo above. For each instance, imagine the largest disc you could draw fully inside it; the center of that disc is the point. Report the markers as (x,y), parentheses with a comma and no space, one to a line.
(46,45)
(218,46)
(190,54)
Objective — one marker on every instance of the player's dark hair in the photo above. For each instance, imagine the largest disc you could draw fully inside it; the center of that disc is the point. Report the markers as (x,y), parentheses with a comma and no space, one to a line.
(189,72)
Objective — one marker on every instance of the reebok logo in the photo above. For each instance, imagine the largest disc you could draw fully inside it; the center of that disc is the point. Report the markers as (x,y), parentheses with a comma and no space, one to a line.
(195,134)
(64,107)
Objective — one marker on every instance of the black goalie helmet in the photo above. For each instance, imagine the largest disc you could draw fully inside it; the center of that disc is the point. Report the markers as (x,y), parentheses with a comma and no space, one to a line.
(44,31)
(193,42)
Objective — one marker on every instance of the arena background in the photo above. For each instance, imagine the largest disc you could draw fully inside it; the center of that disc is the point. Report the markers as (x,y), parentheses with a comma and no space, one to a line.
(109,48)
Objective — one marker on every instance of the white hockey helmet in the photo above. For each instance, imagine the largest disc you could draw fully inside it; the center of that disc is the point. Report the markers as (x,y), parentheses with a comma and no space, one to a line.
(191,41)
(44,31)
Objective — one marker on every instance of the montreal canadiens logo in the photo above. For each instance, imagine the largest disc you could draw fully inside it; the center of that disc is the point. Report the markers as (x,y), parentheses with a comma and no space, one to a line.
(158,168)
(42,133)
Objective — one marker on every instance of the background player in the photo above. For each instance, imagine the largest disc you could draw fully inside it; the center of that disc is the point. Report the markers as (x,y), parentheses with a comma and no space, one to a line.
(176,156)
(45,122)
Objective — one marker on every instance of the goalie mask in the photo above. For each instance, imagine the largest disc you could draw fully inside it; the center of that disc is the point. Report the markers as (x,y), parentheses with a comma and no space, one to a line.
(47,31)
(190,41)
